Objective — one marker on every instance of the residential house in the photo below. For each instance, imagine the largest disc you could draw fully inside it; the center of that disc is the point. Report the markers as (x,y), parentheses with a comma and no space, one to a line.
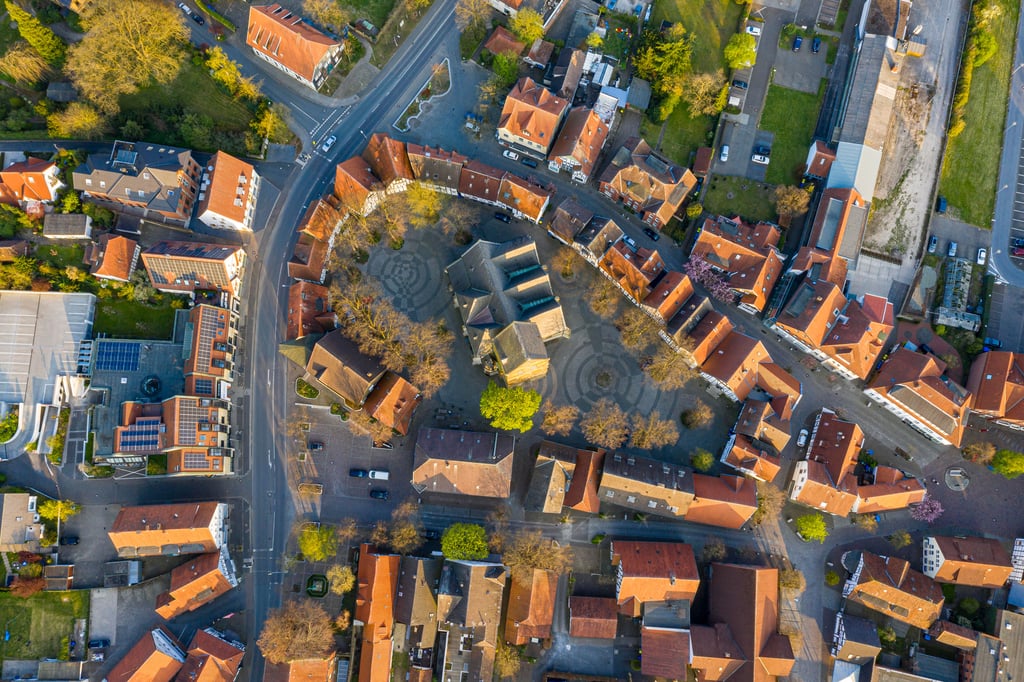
(679,330)
(699,343)
(469,601)
(761,432)
(633,269)
(507,7)
(323,220)
(389,161)
(670,293)
(593,617)
(579,145)
(855,640)
(291,44)
(531,607)
(463,463)
(569,220)
(951,634)
(209,365)
(154,178)
(540,53)
(913,386)
(596,238)
(746,255)
(826,480)
(169,529)
(751,457)
(304,670)
(504,42)
(836,235)
(157,657)
(183,267)
(733,365)
(309,310)
(31,180)
(888,585)
(997,384)
(309,260)
(392,402)
(11,249)
(508,308)
(212,657)
(702,160)
(811,312)
(356,187)
(67,226)
(437,169)
(742,641)
(20,527)
(647,182)
(197,582)
(113,257)
(854,344)
(376,587)
(338,365)
(524,199)
(530,118)
(568,71)
(974,561)
(665,640)
(723,501)
(652,572)
(480,182)
(416,608)
(228,193)
(888,489)
(819,160)
(564,476)
(646,486)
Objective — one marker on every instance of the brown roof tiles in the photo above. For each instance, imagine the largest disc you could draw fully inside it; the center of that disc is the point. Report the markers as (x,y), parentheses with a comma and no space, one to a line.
(653,184)
(997,383)
(502,41)
(283,37)
(531,114)
(723,501)
(979,562)
(653,571)
(463,463)
(388,159)
(309,310)
(888,585)
(580,142)
(113,257)
(531,605)
(593,617)
(393,402)
(156,657)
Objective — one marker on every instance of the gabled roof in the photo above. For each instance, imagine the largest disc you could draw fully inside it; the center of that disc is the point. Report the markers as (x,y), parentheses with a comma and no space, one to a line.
(891,490)
(653,571)
(531,606)
(953,635)
(322,219)
(337,363)
(436,166)
(480,181)
(156,657)
(593,617)
(158,177)
(832,452)
(416,604)
(376,587)
(212,657)
(470,594)
(582,138)
(525,197)
(502,41)
(820,159)
(724,501)
(540,53)
(354,182)
(309,310)
(916,382)
(286,38)
(569,477)
(997,383)
(747,456)
(304,670)
(758,420)
(861,333)
(392,402)
(665,652)
(888,585)
(227,187)
(716,655)
(569,220)
(712,329)
(812,311)
(746,254)
(387,158)
(532,112)
(197,582)
(735,362)
(463,462)
(309,259)
(657,185)
(24,180)
(157,525)
(669,294)
(981,562)
(634,270)
(114,257)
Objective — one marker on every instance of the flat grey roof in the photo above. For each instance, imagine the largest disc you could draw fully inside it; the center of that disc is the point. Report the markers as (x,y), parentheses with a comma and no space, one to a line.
(872,95)
(40,337)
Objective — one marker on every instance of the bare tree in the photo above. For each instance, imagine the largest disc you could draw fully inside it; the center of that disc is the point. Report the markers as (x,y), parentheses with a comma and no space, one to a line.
(361,423)
(530,549)
(604,298)
(430,377)
(566,260)
(381,535)
(558,419)
(636,330)
(471,13)
(791,201)
(606,425)
(770,501)
(347,531)
(24,64)
(497,524)
(792,580)
(651,432)
(668,369)
(714,550)
(300,629)
(697,416)
(705,93)
(405,528)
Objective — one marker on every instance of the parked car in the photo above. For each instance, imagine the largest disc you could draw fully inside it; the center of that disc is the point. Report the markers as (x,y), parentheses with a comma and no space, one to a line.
(742,85)
(982,255)
(630,242)
(379,474)
(503,217)
(99,643)
(1018,251)
(430,535)
(993,342)
(760,159)
(797,42)
(358,473)
(509,154)
(816,45)
(527,161)
(933,244)
(380,494)
(1017,242)
(198,19)
(940,204)
(754,30)
(328,143)
(316,445)
(652,234)
(951,251)
(801,440)
(69,540)
(184,8)
(724,155)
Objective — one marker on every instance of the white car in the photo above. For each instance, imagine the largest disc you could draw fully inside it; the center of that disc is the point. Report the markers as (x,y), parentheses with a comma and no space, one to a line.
(801,440)
(760,158)
(328,143)
(184,8)
(724,155)
(754,30)
(509,154)
(982,255)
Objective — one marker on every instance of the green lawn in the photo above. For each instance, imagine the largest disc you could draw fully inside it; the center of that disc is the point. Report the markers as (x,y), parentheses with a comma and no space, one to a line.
(683,134)
(621,35)
(749,199)
(193,91)
(791,116)
(131,320)
(60,256)
(38,624)
(970,169)
(374,11)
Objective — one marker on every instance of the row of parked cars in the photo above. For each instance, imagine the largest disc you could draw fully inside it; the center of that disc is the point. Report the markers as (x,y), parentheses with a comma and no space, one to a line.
(980,257)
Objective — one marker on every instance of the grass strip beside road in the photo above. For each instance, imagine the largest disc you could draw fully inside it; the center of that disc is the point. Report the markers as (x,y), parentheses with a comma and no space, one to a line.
(791,115)
(970,170)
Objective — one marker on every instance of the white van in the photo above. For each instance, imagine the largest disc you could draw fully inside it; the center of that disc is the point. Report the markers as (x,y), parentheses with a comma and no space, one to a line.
(379,474)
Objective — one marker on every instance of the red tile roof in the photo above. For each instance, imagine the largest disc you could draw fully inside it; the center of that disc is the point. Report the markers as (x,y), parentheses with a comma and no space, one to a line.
(669,294)
(665,652)
(502,41)
(888,585)
(306,670)
(156,657)
(582,493)
(392,402)
(581,139)
(230,186)
(633,270)
(980,562)
(821,160)
(735,363)
(285,38)
(653,571)
(997,383)
(525,197)
(531,112)
(723,501)
(654,184)
(745,253)
(388,159)
(593,617)
(115,257)
(376,587)
(211,658)
(480,181)
(746,456)
(354,182)
(193,584)
(26,180)
(832,452)
(309,310)
(531,606)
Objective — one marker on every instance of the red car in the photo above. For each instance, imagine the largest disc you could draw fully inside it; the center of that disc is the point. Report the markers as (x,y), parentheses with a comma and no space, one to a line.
(1018,251)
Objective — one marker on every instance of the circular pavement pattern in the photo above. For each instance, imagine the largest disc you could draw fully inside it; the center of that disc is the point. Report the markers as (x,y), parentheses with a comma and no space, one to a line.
(413,281)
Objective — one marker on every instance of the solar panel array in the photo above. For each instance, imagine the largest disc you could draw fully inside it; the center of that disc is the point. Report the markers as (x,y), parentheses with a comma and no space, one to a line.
(204,386)
(144,434)
(207,330)
(196,460)
(117,357)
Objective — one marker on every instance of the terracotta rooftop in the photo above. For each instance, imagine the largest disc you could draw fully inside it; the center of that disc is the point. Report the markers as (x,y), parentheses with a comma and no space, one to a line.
(735,362)
(228,183)
(582,137)
(634,270)
(480,181)
(723,501)
(746,456)
(953,635)
(183,525)
(665,652)
(746,254)
(593,617)
(540,53)
(388,159)
(525,197)
(195,583)
(888,585)
(376,587)
(653,571)
(669,294)
(655,184)
(980,562)
(861,334)
(339,366)
(503,41)
(997,383)
(531,606)
(309,310)
(285,38)
(392,402)
(832,451)
(712,329)
(156,657)
(354,182)
(463,462)
(532,112)
(305,670)
(322,219)
(25,180)
(820,160)
(436,166)
(114,257)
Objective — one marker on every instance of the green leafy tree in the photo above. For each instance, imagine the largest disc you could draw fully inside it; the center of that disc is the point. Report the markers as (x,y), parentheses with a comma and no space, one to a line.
(467,541)
(528,25)
(341,579)
(832,578)
(13,220)
(58,510)
(1008,463)
(43,40)
(702,460)
(664,60)
(594,40)
(78,120)
(506,68)
(900,539)
(509,408)
(741,51)
(812,527)
(318,544)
